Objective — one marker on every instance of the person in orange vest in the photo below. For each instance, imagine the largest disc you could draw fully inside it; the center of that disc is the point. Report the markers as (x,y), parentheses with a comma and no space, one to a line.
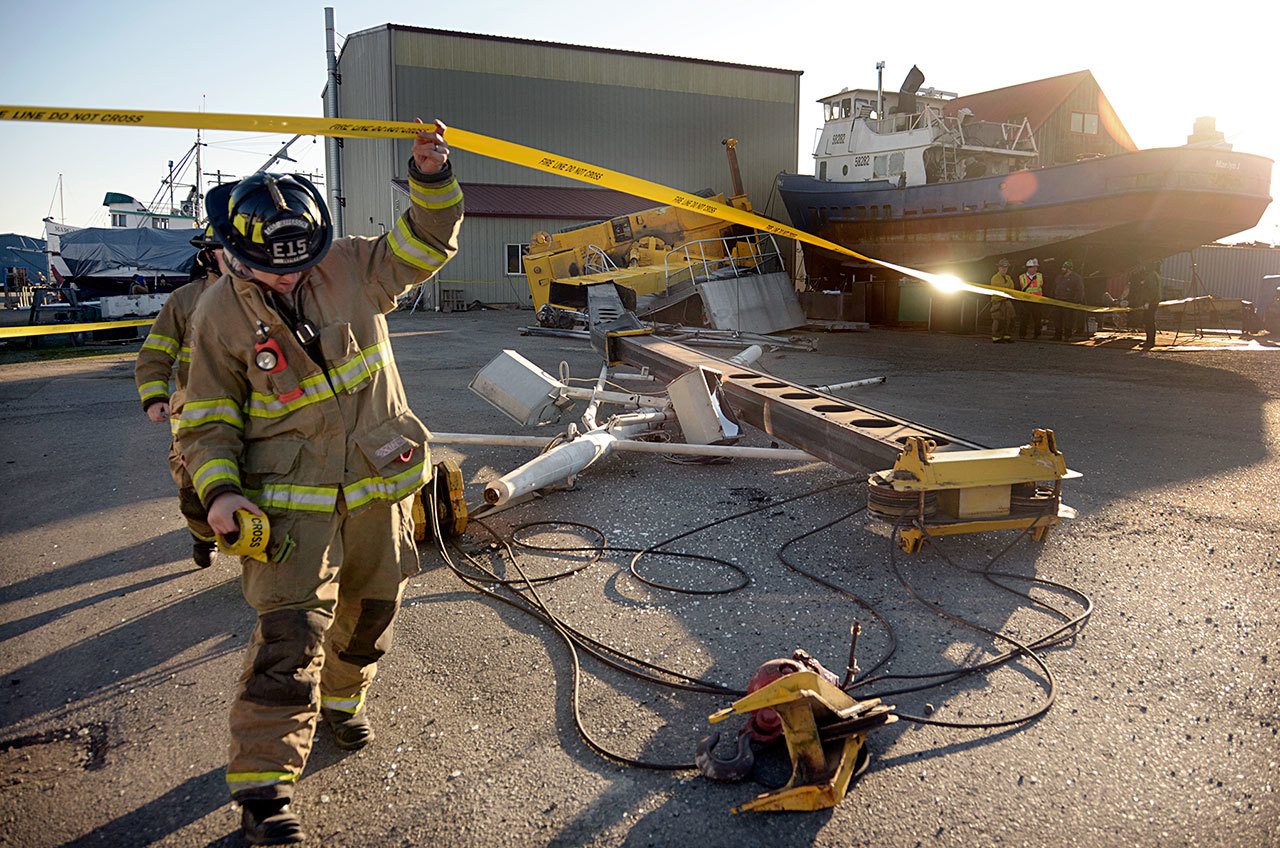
(1031,281)
(1002,317)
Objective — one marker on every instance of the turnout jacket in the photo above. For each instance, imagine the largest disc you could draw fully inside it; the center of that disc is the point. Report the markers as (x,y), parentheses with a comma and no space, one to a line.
(292,434)
(167,344)
(1003,281)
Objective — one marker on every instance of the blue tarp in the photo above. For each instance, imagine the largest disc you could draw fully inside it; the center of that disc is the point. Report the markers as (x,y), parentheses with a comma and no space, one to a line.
(101,251)
(23,252)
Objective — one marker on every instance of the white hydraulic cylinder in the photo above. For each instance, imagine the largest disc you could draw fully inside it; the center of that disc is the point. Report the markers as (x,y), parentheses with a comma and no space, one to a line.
(558,464)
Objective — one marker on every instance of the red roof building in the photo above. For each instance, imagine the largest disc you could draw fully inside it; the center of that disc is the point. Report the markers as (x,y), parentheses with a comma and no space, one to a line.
(1069,115)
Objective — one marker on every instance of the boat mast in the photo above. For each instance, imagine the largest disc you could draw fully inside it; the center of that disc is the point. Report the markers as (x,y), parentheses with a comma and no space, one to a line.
(195,209)
(880,90)
(282,153)
(62,212)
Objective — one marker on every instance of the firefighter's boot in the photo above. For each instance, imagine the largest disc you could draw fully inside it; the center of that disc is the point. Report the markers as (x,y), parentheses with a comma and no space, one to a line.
(202,551)
(270,822)
(351,731)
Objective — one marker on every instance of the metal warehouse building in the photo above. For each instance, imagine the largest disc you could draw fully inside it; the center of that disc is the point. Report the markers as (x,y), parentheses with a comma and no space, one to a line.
(658,117)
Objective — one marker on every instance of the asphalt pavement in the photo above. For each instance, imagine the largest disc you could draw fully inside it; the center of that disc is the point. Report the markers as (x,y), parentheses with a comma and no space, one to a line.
(118,659)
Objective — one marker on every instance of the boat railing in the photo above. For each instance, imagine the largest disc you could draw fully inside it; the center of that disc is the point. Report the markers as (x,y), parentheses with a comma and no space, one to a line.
(907,122)
(952,130)
(727,257)
(993,135)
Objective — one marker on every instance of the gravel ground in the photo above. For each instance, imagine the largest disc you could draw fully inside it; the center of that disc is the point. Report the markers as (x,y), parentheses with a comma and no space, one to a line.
(118,659)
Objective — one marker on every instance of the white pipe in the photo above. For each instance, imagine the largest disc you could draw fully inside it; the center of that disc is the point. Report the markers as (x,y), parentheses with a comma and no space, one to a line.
(566,461)
(577,393)
(835,387)
(589,416)
(672,448)
(733,451)
(490,439)
(748,356)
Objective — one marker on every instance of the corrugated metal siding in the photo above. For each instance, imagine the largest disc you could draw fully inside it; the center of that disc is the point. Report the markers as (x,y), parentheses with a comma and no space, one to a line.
(530,61)
(664,136)
(657,118)
(1228,272)
(365,66)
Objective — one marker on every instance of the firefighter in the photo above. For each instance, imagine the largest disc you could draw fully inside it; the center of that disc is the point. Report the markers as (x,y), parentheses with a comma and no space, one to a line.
(165,346)
(295,409)
(1031,281)
(1002,307)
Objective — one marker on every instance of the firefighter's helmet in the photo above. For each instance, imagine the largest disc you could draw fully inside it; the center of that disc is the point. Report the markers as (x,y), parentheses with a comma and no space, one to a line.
(277,223)
(206,238)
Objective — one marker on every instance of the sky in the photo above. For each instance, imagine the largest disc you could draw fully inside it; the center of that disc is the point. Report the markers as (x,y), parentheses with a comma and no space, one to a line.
(1161,67)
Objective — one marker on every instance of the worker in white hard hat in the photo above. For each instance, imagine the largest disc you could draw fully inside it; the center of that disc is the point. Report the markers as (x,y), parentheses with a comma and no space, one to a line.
(1031,281)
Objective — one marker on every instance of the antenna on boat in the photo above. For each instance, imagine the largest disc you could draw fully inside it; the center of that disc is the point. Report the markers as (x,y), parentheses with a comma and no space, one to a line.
(880,90)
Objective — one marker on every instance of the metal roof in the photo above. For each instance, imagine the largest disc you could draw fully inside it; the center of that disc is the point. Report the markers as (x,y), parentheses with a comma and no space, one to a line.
(562,46)
(561,202)
(1037,101)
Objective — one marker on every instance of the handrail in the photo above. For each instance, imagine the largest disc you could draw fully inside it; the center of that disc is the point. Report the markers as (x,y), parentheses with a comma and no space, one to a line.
(592,267)
(762,248)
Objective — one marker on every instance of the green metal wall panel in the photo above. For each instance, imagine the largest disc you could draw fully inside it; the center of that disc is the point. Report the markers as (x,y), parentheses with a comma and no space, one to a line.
(658,118)
(668,137)
(567,64)
(366,92)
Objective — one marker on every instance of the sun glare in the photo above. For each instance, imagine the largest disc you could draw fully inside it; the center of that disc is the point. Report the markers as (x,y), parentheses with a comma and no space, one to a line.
(948,283)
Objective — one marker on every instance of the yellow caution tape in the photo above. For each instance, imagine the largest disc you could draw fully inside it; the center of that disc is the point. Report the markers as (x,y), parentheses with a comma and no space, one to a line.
(251,537)
(55,329)
(506,151)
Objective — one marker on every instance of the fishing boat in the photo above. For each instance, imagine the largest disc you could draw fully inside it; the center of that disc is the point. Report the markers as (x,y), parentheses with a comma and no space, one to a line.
(929,180)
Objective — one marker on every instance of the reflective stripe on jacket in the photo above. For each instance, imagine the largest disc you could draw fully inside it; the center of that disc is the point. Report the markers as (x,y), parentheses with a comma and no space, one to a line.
(1032,284)
(167,345)
(1003,281)
(295,437)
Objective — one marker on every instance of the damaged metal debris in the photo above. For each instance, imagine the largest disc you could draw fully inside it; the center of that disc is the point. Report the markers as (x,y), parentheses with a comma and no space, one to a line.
(932,484)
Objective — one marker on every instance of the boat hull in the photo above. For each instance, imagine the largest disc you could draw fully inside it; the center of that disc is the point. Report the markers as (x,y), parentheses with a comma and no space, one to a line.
(1105,213)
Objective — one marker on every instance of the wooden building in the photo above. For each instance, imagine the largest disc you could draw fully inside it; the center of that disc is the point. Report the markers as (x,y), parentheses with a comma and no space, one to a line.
(1069,115)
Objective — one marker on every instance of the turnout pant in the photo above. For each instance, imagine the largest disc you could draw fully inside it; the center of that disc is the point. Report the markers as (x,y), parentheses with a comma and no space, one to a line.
(1002,318)
(188,501)
(325,618)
